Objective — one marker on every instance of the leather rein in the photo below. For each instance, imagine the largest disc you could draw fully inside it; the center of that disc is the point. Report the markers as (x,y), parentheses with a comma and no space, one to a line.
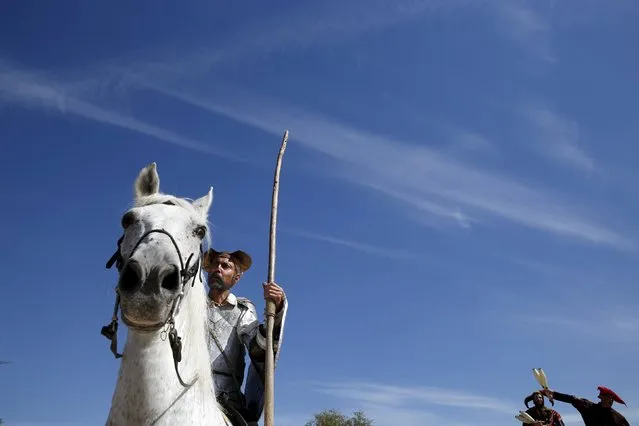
(187,272)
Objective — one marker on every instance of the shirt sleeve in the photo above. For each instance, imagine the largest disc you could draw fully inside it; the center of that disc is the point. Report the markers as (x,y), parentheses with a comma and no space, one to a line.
(579,403)
(277,328)
(622,420)
(248,325)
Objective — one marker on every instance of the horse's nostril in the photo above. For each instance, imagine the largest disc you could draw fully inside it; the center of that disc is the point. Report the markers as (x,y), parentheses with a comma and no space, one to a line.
(172,280)
(130,277)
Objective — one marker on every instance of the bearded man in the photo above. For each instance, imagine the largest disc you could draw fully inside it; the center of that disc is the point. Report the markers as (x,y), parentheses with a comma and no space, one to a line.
(543,415)
(594,414)
(235,330)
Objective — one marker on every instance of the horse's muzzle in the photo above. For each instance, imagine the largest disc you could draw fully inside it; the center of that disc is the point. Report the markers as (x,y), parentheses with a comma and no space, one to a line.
(133,278)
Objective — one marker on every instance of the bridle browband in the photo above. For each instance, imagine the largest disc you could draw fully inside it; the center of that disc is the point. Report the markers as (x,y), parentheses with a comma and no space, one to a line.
(187,272)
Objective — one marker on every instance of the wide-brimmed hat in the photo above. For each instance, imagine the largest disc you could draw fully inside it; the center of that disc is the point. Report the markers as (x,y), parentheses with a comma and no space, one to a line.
(241,259)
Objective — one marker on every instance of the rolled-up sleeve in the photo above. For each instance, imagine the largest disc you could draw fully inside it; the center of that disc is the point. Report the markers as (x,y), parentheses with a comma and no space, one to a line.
(252,332)
(248,325)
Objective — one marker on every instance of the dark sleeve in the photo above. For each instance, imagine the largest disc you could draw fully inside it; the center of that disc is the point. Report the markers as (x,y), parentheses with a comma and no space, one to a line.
(579,403)
(563,397)
(622,421)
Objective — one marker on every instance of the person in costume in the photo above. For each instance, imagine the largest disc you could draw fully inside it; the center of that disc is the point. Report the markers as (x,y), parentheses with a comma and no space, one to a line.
(594,414)
(545,416)
(235,331)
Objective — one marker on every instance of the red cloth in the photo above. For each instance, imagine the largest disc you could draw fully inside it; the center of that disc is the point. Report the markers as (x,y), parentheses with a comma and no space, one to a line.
(605,391)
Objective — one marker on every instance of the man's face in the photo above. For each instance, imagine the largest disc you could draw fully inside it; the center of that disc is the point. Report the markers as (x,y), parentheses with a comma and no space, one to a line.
(538,400)
(223,274)
(606,400)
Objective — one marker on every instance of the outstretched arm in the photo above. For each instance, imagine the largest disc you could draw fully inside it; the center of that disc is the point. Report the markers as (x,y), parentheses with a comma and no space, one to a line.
(579,403)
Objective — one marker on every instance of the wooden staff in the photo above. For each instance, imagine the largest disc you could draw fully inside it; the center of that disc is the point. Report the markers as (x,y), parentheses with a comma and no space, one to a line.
(269,372)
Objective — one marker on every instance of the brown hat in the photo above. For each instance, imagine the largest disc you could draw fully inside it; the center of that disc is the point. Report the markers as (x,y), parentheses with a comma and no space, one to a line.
(241,259)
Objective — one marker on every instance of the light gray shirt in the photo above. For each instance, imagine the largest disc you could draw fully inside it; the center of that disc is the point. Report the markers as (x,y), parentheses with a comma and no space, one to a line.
(234,323)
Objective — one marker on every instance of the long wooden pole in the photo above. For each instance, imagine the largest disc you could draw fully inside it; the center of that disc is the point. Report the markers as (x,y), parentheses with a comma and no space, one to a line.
(269,391)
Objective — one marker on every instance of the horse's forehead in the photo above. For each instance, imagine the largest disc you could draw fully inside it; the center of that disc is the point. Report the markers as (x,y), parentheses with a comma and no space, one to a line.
(164,200)
(175,215)
(172,211)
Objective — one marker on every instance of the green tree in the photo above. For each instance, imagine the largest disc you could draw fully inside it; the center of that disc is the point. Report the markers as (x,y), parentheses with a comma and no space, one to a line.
(335,418)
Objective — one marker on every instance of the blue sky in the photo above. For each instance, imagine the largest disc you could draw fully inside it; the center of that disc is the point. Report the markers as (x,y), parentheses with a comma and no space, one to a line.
(457,204)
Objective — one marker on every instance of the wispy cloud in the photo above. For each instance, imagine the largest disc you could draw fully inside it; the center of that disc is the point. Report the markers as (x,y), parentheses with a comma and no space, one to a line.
(390,395)
(390,405)
(558,138)
(469,141)
(297,29)
(428,181)
(366,248)
(27,90)
(421,203)
(403,169)
(457,141)
(383,415)
(301,28)
(614,324)
(522,21)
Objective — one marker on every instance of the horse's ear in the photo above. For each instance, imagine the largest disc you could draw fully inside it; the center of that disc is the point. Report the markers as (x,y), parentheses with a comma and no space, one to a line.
(203,204)
(147,182)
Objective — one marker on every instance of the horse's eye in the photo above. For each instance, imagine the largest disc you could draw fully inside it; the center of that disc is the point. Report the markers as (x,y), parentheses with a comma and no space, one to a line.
(200,231)
(169,203)
(128,219)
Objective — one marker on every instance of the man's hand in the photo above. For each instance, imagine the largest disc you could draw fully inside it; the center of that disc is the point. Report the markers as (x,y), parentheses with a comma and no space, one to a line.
(547,393)
(275,293)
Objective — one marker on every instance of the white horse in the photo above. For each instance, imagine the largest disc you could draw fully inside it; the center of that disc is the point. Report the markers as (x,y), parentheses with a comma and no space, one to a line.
(165,375)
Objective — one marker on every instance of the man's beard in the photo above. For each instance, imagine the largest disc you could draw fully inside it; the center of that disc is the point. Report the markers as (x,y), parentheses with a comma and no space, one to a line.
(216,282)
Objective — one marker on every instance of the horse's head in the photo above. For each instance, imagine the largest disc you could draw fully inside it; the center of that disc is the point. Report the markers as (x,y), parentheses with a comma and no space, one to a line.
(160,251)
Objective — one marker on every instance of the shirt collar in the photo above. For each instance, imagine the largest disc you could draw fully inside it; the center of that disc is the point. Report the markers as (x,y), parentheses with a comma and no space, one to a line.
(231,299)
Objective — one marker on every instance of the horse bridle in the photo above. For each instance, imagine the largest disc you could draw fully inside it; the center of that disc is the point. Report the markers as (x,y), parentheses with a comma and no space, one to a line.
(187,272)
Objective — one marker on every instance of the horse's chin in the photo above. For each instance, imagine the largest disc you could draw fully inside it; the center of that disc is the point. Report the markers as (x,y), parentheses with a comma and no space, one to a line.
(142,324)
(145,313)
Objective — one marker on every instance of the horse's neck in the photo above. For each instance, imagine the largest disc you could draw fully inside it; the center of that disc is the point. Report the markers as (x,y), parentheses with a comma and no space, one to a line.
(148,389)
